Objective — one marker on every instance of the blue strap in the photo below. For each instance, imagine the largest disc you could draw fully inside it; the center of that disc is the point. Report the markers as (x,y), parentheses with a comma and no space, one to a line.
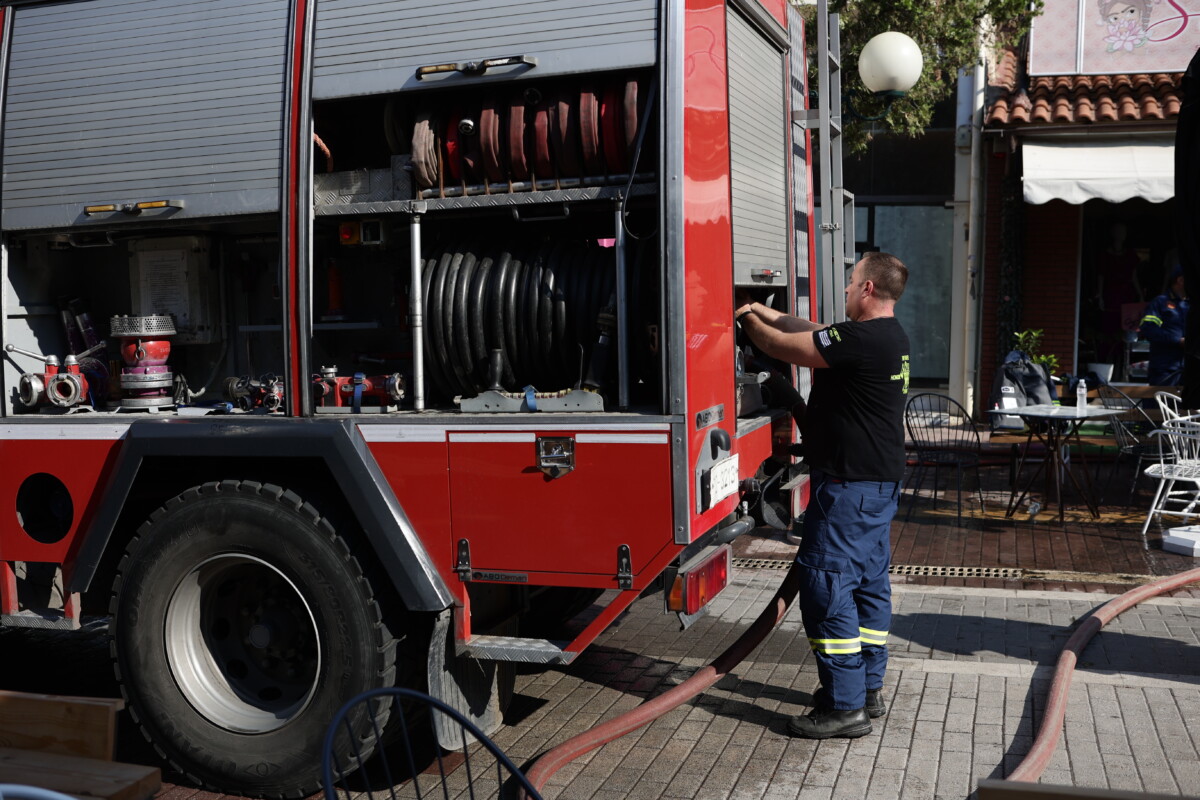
(531,398)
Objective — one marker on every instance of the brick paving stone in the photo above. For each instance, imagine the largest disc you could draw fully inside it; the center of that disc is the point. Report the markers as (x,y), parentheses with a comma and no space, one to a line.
(954,774)
(854,778)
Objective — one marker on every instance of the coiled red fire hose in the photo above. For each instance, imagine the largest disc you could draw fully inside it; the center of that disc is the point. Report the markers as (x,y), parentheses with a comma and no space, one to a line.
(1032,766)
(555,759)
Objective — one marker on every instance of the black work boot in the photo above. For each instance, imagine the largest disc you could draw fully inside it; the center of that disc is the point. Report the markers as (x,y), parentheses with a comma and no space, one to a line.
(876,708)
(827,723)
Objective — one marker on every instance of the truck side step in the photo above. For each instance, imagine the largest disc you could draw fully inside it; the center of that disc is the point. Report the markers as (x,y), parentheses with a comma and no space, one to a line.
(513,648)
(49,619)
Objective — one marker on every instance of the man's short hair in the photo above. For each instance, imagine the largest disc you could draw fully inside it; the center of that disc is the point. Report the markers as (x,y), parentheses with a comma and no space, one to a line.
(887,272)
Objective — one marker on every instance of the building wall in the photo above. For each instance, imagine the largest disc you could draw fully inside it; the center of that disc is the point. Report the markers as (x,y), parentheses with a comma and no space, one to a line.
(1051,278)
(1048,282)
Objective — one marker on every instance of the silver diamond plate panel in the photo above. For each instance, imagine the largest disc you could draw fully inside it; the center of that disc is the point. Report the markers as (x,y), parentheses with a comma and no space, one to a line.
(508,648)
(354,186)
(330,206)
(46,621)
(364,209)
(645,185)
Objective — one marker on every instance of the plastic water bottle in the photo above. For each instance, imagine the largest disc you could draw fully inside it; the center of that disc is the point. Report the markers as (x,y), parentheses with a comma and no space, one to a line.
(1081,396)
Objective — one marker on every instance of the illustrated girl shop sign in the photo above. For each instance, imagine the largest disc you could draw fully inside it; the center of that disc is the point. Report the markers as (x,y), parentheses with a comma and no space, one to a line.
(1105,37)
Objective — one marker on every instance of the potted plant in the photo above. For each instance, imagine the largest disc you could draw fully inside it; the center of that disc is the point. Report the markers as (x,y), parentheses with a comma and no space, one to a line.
(1029,342)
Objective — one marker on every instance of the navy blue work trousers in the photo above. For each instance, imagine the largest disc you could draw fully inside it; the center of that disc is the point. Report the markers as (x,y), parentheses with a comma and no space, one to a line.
(845,594)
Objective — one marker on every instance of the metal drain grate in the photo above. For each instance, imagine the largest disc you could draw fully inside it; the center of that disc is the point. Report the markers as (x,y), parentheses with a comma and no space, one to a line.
(1006,573)
(762,563)
(1011,573)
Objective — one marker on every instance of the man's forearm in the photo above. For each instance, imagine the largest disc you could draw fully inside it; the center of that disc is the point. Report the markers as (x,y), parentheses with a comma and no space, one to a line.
(779,320)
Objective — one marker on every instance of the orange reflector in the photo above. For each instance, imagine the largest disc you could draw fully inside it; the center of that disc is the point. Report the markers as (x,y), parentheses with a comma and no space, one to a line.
(701,580)
(151,204)
(349,233)
(100,209)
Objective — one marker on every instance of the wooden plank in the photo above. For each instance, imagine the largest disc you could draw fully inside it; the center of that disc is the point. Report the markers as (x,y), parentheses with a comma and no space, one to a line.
(74,726)
(81,777)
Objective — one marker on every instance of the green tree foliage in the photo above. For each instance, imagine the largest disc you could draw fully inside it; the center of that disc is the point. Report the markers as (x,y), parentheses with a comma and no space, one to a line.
(947,32)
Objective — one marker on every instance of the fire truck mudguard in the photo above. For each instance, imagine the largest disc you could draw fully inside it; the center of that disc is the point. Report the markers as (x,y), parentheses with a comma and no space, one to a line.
(241,621)
(387,530)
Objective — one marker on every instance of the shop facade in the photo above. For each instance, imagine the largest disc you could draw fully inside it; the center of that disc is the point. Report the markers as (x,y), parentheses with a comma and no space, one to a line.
(1079,183)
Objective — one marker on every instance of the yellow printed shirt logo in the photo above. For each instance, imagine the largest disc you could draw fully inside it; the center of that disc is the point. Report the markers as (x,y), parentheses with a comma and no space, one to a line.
(903,374)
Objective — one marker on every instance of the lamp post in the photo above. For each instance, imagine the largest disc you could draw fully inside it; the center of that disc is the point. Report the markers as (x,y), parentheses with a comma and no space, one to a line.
(889,65)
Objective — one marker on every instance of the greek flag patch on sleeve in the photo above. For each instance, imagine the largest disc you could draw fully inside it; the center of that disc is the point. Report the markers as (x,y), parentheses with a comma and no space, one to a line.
(823,336)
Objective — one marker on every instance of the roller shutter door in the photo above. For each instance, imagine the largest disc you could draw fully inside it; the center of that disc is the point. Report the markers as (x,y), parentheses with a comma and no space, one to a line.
(374,46)
(758,155)
(123,101)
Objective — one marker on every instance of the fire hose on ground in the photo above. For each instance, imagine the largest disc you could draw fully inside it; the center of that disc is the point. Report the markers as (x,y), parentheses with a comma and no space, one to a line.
(1034,763)
(1029,770)
(555,759)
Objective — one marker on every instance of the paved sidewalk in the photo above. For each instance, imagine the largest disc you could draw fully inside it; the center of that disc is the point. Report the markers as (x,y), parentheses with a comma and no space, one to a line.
(970,669)
(968,679)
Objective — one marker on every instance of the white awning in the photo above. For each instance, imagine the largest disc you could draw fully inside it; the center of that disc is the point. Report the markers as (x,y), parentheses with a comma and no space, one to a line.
(1114,169)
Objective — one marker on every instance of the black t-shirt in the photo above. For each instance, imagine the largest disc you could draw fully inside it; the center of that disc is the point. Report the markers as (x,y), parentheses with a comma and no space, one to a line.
(855,424)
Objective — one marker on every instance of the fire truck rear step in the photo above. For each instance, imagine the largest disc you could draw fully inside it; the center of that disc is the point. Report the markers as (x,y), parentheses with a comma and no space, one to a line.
(513,648)
(45,619)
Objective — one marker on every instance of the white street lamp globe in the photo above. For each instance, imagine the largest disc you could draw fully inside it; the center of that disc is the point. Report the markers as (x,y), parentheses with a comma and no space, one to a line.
(890,62)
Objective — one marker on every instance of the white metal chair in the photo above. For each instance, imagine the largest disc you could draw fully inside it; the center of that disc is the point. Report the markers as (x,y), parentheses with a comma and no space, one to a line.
(1179,463)
(1171,405)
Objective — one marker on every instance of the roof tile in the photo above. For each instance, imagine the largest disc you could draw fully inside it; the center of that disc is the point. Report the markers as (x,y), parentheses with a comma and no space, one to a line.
(1045,99)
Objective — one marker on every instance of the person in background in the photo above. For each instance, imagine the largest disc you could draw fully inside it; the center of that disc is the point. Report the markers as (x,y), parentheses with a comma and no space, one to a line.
(1163,326)
(853,436)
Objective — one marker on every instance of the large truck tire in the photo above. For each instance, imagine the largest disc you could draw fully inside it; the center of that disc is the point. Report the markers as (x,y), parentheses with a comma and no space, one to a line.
(241,622)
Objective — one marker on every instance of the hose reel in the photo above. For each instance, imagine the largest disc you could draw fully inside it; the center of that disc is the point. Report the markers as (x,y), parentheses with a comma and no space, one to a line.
(505,318)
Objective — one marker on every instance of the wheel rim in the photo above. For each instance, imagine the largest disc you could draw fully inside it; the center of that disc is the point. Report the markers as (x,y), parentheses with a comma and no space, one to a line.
(242,644)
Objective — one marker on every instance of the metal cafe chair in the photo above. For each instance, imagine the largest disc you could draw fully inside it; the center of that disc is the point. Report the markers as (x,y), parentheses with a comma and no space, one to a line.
(1177,472)
(943,436)
(1131,430)
(385,742)
(1170,405)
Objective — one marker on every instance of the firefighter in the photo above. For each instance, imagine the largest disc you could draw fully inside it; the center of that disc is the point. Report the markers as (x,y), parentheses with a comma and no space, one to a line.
(854,445)
(1163,326)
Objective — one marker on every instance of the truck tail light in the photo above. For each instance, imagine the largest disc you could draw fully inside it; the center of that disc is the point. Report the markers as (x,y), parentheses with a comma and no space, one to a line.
(700,580)
(782,437)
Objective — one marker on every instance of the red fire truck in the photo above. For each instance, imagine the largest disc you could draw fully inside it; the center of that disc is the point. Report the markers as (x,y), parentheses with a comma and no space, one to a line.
(351,343)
